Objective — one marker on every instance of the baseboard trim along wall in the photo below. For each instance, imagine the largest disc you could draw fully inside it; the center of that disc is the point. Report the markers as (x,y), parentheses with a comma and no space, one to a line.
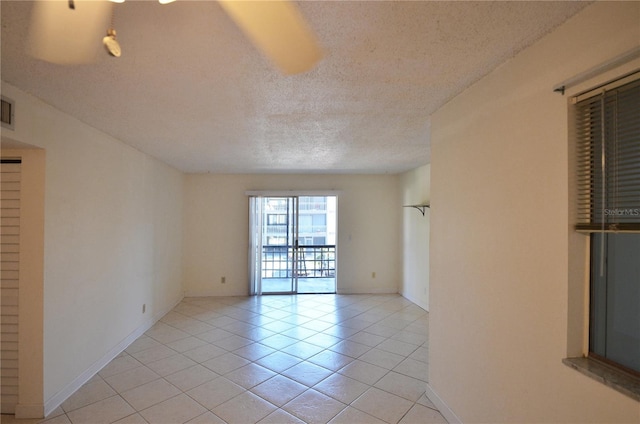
(391,290)
(28,411)
(444,409)
(412,299)
(57,399)
(212,293)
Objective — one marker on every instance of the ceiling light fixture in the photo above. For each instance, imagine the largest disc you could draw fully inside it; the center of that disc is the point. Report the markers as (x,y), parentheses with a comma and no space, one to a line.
(111,44)
(67,37)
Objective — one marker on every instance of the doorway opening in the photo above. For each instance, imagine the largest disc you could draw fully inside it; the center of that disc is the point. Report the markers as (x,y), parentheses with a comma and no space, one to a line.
(293,244)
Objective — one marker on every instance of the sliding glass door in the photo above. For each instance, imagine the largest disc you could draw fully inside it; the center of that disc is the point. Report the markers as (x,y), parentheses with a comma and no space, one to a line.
(317,244)
(278,255)
(293,244)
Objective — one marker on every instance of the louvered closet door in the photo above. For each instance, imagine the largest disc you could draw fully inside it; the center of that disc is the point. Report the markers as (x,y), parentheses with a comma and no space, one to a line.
(9,273)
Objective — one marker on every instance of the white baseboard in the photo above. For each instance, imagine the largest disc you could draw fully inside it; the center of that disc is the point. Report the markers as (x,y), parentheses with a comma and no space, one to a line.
(368,291)
(444,409)
(413,299)
(213,293)
(29,411)
(56,400)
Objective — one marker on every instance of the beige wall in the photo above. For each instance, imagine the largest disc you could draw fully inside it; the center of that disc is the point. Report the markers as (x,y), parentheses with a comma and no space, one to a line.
(216,230)
(114,231)
(500,239)
(415,186)
(113,237)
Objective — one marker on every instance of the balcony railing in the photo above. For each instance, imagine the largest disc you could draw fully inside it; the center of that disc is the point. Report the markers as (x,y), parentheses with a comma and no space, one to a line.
(313,261)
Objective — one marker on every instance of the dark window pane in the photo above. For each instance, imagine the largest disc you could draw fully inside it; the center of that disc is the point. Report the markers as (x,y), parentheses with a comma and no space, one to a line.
(615,298)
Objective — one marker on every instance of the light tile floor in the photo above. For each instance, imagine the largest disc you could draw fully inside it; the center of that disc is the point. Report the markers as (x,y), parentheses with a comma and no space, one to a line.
(268,359)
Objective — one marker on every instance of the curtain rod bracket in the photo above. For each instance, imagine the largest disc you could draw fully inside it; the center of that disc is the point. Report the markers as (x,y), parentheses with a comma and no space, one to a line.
(621,59)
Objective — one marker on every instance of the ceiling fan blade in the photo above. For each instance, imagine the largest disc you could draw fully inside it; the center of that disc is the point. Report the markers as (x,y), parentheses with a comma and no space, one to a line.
(64,35)
(278,29)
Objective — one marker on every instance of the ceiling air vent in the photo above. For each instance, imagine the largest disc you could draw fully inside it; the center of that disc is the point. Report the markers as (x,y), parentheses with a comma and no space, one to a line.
(6,113)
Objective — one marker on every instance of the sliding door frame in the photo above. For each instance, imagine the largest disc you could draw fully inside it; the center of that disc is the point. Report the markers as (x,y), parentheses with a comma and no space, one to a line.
(256,242)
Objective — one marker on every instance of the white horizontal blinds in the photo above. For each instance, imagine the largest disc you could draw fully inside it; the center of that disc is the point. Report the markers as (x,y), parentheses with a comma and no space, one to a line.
(608,165)
(9,278)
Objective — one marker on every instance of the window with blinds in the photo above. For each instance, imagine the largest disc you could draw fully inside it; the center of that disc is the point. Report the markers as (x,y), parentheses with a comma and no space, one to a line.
(608,142)
(608,180)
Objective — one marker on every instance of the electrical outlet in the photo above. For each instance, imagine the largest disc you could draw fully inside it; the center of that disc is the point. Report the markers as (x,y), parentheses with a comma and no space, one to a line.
(373,275)
(223,280)
(144,308)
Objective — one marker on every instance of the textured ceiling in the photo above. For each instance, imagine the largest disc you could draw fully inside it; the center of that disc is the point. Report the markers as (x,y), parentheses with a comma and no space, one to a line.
(191,91)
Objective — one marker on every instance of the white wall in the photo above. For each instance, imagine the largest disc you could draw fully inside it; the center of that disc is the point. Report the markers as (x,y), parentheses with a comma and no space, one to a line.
(500,236)
(415,186)
(113,239)
(216,230)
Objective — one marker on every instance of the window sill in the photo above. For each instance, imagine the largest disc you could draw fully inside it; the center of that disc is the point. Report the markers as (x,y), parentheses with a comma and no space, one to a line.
(614,378)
